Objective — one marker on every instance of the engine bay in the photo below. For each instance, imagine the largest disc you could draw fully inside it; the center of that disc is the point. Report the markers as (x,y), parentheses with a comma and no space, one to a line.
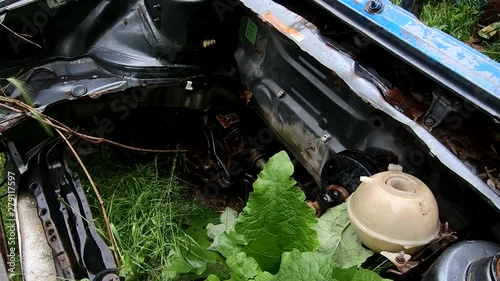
(229,84)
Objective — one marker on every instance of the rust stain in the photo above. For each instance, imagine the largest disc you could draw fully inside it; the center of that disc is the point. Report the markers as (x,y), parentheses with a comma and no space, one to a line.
(246,96)
(410,106)
(295,34)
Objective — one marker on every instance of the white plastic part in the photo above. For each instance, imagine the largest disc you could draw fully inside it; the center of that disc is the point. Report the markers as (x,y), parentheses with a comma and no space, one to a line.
(365,179)
(395,167)
(37,261)
(393,211)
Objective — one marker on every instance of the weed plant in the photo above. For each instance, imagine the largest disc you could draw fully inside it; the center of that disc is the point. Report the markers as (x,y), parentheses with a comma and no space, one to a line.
(148,209)
(459,19)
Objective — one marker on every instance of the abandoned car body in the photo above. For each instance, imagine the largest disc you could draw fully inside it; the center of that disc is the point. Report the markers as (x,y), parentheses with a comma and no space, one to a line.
(348,87)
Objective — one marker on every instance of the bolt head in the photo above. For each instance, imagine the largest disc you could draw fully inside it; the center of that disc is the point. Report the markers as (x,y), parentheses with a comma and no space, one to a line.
(373,6)
(326,138)
(429,121)
(281,94)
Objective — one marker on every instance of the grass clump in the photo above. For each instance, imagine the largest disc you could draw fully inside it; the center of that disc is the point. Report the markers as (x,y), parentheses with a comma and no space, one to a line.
(460,20)
(150,214)
(457,18)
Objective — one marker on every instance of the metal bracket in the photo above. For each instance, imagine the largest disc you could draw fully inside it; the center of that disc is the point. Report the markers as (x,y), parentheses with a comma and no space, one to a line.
(18,160)
(440,108)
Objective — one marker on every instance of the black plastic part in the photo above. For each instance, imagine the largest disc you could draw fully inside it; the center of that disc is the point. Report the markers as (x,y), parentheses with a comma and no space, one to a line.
(345,168)
(329,199)
(65,214)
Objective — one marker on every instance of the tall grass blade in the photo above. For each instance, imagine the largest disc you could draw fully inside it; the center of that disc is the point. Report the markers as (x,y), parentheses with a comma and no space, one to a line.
(24,90)
(27,96)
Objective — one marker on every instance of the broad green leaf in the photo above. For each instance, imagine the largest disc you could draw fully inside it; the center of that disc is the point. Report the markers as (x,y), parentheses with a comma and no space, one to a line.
(355,274)
(226,240)
(184,260)
(245,268)
(264,276)
(276,219)
(305,266)
(227,219)
(191,255)
(338,240)
(317,266)
(212,277)
(215,261)
(228,244)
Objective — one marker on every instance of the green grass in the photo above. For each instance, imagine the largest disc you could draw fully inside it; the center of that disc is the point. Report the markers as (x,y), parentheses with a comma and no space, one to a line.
(148,210)
(459,19)
(455,18)
(148,206)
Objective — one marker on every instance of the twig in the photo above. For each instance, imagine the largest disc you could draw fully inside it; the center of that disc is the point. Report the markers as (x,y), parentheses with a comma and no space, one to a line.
(98,195)
(18,35)
(59,125)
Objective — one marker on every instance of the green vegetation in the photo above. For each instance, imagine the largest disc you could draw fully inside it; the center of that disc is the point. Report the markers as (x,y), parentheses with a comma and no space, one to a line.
(152,217)
(278,237)
(458,18)
(162,234)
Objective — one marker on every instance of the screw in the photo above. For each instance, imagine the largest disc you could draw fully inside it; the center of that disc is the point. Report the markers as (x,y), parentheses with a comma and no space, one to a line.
(281,94)
(446,229)
(429,121)
(373,6)
(157,7)
(334,194)
(326,138)
(401,258)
